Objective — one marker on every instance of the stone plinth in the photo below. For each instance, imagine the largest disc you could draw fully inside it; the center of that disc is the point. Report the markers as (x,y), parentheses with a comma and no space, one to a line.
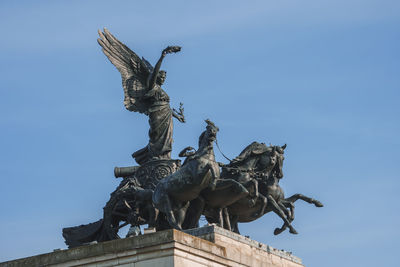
(205,246)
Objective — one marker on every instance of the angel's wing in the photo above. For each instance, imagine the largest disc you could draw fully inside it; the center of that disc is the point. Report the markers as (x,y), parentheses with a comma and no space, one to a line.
(134,71)
(148,65)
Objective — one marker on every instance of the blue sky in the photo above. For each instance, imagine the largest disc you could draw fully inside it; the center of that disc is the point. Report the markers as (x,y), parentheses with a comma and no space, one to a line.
(321,76)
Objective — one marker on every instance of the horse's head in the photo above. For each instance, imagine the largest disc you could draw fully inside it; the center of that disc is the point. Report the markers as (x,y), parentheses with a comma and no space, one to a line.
(276,159)
(269,159)
(209,135)
(211,131)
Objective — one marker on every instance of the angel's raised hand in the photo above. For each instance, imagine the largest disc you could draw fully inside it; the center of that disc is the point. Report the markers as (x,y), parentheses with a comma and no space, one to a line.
(171,49)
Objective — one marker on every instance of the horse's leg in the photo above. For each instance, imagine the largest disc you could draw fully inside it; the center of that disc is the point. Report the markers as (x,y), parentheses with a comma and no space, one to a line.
(214,176)
(227,223)
(253,184)
(180,215)
(220,218)
(146,196)
(162,202)
(234,224)
(172,221)
(227,191)
(263,200)
(290,215)
(277,231)
(153,214)
(290,206)
(296,197)
(252,187)
(170,214)
(193,213)
(275,208)
(287,212)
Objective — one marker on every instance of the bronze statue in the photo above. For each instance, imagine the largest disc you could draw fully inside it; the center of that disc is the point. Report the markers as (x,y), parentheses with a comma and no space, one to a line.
(173,193)
(143,93)
(263,164)
(269,186)
(162,193)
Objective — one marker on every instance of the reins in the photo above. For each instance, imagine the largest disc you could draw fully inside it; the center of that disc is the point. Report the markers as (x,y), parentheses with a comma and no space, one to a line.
(216,142)
(257,175)
(253,174)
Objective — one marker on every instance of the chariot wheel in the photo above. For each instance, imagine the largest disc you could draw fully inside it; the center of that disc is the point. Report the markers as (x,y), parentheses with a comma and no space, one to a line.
(118,212)
(122,209)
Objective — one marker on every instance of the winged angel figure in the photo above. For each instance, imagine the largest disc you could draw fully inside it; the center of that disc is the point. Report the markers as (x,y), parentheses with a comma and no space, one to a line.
(143,93)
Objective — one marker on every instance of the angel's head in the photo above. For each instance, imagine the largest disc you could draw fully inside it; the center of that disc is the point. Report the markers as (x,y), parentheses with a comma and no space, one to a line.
(162,75)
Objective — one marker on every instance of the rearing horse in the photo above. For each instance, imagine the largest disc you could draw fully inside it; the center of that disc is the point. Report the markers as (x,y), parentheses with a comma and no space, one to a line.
(268,172)
(200,170)
(269,186)
(254,163)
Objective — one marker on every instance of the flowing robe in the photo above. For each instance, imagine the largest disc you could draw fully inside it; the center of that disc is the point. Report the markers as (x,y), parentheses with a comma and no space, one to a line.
(161,127)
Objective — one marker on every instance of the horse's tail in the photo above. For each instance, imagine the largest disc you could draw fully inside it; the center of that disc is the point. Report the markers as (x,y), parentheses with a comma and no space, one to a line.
(83,234)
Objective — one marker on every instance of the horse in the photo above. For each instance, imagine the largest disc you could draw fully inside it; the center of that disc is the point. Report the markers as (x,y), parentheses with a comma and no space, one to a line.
(256,161)
(267,170)
(269,186)
(172,195)
(252,160)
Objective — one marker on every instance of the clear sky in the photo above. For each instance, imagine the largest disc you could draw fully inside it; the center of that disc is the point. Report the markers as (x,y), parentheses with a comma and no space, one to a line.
(321,76)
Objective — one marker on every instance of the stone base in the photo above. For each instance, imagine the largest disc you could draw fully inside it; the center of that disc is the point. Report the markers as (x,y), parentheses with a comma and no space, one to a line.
(205,246)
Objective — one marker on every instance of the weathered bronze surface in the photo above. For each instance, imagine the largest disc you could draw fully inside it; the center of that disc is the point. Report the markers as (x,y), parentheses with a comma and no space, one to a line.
(163,193)
(142,93)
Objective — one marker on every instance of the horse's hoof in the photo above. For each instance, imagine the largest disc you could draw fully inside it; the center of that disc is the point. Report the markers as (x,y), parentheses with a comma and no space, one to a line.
(277,231)
(177,227)
(318,204)
(293,231)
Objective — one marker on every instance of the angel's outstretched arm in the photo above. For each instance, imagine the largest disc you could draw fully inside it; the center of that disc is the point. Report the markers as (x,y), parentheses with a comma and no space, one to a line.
(153,75)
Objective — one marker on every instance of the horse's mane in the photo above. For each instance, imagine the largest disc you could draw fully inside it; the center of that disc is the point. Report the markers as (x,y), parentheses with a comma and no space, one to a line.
(254,148)
(201,138)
